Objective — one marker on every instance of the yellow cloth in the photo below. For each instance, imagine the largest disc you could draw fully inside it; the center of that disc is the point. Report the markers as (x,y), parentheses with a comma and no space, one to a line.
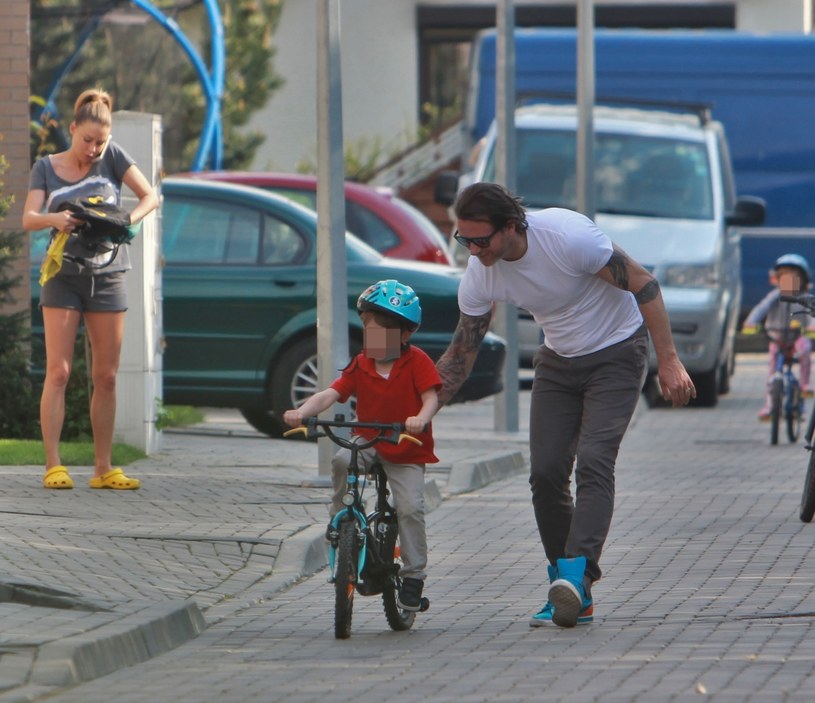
(53,257)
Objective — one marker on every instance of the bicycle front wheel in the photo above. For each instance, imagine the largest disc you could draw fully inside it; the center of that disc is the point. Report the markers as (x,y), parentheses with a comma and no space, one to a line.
(793,413)
(345,579)
(398,619)
(808,496)
(776,400)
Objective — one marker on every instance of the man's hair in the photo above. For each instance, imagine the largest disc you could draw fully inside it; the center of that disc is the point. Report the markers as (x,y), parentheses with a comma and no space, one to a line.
(490,202)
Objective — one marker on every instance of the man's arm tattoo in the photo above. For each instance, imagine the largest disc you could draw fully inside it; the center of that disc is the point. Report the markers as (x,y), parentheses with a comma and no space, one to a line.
(456,363)
(648,292)
(618,266)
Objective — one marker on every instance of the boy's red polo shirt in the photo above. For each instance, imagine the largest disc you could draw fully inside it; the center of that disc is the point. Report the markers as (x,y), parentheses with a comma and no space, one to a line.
(392,399)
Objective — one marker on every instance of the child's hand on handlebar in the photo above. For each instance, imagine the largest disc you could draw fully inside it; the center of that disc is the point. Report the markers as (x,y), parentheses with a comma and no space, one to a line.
(293,418)
(414,425)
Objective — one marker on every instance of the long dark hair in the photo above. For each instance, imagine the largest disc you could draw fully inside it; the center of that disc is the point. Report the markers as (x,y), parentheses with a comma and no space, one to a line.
(490,202)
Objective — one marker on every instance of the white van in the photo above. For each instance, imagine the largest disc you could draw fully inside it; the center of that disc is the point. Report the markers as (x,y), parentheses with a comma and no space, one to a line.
(665,194)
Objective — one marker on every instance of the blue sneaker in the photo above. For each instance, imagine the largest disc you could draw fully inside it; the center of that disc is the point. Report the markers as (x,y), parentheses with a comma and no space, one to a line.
(570,603)
(543,617)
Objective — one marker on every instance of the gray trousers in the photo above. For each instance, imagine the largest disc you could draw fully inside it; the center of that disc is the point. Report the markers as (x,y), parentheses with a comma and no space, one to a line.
(580,410)
(406,483)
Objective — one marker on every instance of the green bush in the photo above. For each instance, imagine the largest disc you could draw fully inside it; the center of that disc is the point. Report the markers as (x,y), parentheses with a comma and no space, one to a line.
(19,415)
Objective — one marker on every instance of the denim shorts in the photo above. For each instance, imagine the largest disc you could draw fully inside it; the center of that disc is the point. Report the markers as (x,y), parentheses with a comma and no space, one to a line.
(103,293)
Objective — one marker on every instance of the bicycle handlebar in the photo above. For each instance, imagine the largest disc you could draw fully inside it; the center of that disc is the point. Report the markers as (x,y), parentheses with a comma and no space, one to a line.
(805,300)
(393,432)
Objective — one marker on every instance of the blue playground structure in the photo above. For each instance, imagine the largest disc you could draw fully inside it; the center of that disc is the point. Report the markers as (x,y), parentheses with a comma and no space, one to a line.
(211,147)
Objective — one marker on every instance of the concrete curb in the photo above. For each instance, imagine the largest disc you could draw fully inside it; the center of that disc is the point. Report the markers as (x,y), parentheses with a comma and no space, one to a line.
(135,638)
(470,475)
(300,555)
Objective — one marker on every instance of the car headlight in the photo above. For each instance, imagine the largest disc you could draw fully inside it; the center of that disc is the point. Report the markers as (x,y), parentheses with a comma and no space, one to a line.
(691,276)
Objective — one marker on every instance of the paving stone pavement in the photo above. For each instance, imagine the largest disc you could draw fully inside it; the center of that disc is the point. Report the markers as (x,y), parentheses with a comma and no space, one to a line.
(91,581)
(708,587)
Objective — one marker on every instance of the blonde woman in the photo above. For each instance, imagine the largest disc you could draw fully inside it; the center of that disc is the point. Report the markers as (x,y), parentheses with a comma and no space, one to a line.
(89,284)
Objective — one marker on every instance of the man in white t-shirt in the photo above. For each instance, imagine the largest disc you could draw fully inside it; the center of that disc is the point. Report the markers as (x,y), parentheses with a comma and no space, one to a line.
(594,305)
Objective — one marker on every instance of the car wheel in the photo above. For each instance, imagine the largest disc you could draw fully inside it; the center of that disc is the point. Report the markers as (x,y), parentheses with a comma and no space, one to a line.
(294,378)
(263,421)
(707,388)
(652,394)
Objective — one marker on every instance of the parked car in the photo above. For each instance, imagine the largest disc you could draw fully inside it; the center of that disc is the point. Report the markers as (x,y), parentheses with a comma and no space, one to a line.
(240,301)
(377,216)
(665,193)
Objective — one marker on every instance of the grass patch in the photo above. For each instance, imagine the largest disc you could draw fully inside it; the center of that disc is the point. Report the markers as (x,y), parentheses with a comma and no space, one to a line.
(25,452)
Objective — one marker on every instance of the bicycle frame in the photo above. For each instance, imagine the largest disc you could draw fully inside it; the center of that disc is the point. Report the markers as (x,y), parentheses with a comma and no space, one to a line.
(784,361)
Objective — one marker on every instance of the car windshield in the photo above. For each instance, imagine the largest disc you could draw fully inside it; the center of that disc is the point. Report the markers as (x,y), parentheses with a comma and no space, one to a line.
(634,174)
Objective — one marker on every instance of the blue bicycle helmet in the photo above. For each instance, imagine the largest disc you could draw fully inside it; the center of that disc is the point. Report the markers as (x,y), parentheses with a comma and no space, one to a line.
(795,261)
(392,298)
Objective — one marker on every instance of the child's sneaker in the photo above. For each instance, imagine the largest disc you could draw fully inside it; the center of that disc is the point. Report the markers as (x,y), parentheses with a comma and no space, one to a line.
(410,595)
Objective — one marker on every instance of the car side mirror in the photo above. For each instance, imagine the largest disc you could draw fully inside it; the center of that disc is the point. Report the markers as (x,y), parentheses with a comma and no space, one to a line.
(446,187)
(749,211)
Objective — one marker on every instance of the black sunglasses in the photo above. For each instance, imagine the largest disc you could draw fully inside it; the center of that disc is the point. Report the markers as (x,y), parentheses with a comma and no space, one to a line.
(480,242)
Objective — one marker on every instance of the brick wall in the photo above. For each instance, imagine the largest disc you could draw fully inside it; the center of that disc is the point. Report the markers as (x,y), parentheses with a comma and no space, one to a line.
(14,116)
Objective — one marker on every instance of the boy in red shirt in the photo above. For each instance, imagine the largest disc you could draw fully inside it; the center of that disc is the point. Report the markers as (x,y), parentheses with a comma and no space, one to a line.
(392,381)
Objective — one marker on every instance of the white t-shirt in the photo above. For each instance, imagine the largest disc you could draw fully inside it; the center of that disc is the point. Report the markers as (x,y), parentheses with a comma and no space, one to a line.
(555,282)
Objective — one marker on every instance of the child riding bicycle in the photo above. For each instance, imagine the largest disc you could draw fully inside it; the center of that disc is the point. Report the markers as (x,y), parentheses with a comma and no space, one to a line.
(790,275)
(392,381)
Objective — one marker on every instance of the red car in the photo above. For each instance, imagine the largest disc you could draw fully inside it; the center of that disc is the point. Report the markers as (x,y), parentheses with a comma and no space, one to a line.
(376,215)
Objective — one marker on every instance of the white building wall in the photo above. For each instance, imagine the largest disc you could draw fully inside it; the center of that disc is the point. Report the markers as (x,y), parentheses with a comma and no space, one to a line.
(379,80)
(774,15)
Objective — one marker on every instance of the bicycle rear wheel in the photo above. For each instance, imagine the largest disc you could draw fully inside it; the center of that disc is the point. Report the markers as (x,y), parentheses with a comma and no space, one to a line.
(345,579)
(808,496)
(793,413)
(776,399)
(398,619)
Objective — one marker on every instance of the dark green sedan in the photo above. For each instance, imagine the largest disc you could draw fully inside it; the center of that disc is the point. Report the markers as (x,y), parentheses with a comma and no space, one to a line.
(240,302)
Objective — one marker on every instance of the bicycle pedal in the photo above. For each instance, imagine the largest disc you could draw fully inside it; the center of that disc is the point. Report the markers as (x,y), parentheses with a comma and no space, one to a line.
(424,606)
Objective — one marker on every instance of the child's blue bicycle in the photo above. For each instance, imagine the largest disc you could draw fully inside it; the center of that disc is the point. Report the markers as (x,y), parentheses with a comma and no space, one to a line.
(364,549)
(807,301)
(785,391)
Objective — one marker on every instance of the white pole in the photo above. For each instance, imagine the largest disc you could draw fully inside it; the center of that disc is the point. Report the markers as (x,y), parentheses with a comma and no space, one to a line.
(506,314)
(585,108)
(332,279)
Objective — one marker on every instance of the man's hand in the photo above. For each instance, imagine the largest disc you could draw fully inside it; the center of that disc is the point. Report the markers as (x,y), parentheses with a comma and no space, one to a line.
(675,383)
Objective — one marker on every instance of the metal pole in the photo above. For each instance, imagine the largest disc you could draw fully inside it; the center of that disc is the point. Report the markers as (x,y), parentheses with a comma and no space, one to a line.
(506,315)
(585,108)
(332,308)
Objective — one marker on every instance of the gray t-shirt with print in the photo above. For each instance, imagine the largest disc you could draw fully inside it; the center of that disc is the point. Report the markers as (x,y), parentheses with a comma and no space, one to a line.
(104,179)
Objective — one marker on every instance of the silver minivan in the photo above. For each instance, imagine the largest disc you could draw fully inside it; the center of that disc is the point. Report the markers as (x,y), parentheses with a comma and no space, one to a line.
(665,194)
